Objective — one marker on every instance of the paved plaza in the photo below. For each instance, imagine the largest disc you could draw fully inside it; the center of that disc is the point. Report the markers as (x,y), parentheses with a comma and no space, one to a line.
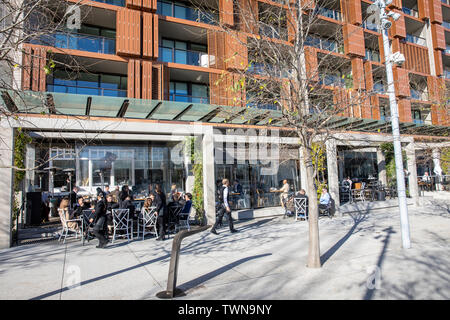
(361,255)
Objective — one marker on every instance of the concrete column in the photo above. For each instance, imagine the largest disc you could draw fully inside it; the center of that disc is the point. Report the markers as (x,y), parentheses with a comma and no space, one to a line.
(412,169)
(303,177)
(208,175)
(381,160)
(341,165)
(332,168)
(188,172)
(436,155)
(6,184)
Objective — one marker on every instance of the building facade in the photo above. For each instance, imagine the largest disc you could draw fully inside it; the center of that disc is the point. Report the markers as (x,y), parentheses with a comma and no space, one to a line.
(148,79)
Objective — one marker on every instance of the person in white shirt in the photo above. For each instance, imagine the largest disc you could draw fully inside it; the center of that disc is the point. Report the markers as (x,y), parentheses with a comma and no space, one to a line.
(224,196)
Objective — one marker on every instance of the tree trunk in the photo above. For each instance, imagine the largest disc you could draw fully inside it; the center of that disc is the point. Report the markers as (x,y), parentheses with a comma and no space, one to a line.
(314,244)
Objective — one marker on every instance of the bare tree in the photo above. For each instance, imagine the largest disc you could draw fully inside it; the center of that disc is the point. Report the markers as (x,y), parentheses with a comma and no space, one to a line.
(286,56)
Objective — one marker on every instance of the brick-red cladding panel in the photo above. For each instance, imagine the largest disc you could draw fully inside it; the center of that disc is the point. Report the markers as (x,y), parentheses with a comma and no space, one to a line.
(226,12)
(354,40)
(128,32)
(398,29)
(42,63)
(354,12)
(213,88)
(155,36)
(375,104)
(358,73)
(396,4)
(424,10)
(368,75)
(311,63)
(416,59)
(147,34)
(401,82)
(438,36)
(146,80)
(404,110)
(130,78)
(435,11)
(137,79)
(438,62)
(212,48)
(26,73)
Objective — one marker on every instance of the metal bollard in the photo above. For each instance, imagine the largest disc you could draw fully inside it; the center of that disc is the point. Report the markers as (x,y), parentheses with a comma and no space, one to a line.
(172,290)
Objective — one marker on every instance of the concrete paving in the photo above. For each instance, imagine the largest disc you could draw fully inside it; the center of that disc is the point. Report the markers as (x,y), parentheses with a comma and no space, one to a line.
(361,257)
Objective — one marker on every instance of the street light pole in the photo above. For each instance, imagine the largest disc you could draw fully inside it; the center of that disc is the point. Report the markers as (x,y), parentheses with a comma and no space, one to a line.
(384,25)
(401,187)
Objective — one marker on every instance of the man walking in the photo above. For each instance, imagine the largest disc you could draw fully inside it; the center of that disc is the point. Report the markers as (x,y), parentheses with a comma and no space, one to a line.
(224,196)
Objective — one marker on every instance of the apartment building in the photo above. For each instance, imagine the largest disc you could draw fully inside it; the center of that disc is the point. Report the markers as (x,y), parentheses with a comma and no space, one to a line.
(147,78)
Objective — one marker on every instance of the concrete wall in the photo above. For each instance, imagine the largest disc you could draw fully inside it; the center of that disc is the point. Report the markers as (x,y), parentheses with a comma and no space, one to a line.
(6,174)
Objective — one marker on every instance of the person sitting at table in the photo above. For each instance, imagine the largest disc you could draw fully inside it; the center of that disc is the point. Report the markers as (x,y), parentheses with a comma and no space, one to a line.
(347,183)
(302,195)
(188,203)
(237,188)
(128,204)
(148,202)
(80,206)
(324,200)
(124,194)
(107,190)
(64,206)
(284,192)
(173,195)
(110,205)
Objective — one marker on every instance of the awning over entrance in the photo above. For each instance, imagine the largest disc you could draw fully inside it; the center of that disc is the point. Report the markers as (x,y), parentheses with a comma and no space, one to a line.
(101,106)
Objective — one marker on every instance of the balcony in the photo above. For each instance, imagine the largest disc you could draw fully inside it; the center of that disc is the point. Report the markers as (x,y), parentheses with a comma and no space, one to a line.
(324,44)
(177,10)
(372,55)
(370,26)
(447,73)
(81,42)
(332,80)
(446,24)
(329,13)
(419,94)
(410,12)
(446,1)
(416,39)
(266,106)
(447,49)
(87,90)
(120,3)
(187,98)
(193,58)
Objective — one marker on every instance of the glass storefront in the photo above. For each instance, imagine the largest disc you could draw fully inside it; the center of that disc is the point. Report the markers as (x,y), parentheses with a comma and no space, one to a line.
(115,165)
(254,183)
(360,165)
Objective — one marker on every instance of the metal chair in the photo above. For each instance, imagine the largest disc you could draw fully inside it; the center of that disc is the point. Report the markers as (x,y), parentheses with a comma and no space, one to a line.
(87,225)
(65,227)
(121,222)
(147,220)
(183,220)
(301,208)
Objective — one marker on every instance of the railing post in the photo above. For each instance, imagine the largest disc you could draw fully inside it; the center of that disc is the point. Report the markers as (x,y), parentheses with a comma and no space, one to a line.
(172,289)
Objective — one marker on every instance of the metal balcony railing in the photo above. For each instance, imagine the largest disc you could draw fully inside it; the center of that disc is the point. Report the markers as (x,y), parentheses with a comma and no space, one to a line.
(178,10)
(187,98)
(96,91)
(329,13)
(411,12)
(419,95)
(370,26)
(416,39)
(372,55)
(324,44)
(120,3)
(193,58)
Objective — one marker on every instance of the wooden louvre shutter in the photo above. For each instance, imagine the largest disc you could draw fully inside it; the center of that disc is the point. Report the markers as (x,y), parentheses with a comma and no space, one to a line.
(375,105)
(398,29)
(424,10)
(358,73)
(128,32)
(147,80)
(401,82)
(150,46)
(435,9)
(26,73)
(354,40)
(226,12)
(438,34)
(353,9)
(311,63)
(404,110)
(235,51)
(368,75)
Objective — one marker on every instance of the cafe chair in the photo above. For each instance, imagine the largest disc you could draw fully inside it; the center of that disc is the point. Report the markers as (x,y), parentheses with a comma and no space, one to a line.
(87,225)
(183,220)
(147,221)
(121,222)
(300,208)
(66,229)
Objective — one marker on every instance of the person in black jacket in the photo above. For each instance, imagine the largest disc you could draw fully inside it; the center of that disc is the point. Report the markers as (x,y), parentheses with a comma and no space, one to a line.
(100,221)
(123,194)
(128,204)
(80,206)
(224,207)
(160,203)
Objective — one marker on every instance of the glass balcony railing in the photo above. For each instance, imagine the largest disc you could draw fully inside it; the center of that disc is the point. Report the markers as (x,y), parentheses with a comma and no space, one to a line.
(87,90)
(446,24)
(329,13)
(79,41)
(370,26)
(419,95)
(193,58)
(372,55)
(379,88)
(270,32)
(415,39)
(418,121)
(447,49)
(324,44)
(266,106)
(270,70)
(177,10)
(120,3)
(446,1)
(447,73)
(410,12)
(187,98)
(332,80)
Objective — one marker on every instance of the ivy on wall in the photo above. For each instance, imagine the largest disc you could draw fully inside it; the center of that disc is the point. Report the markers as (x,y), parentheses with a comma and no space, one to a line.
(197,171)
(21,140)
